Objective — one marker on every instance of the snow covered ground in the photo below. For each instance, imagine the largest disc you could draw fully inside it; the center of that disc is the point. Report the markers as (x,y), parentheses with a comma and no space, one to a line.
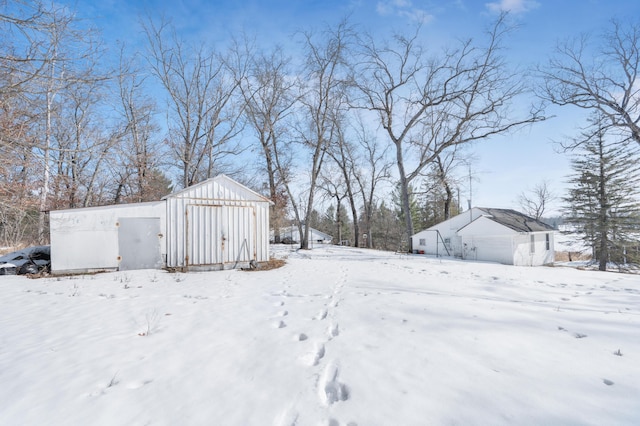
(337,336)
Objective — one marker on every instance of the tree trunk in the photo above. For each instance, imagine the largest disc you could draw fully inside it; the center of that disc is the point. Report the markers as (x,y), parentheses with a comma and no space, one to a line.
(603,256)
(447,201)
(404,194)
(46,171)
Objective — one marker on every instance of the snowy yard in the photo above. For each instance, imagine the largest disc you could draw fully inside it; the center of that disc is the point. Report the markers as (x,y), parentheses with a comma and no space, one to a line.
(337,336)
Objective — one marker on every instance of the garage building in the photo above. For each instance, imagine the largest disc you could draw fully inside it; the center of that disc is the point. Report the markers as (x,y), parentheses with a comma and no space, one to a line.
(215,224)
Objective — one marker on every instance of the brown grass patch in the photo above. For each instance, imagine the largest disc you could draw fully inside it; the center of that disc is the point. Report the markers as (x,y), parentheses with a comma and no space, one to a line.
(267,266)
(563,256)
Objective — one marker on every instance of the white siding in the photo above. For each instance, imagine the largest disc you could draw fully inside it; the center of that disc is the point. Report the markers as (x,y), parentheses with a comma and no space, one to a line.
(217,223)
(523,256)
(84,240)
(214,224)
(448,230)
(488,248)
(474,236)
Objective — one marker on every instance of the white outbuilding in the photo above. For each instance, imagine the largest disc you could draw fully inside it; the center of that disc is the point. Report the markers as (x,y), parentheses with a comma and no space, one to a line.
(487,234)
(215,224)
(291,235)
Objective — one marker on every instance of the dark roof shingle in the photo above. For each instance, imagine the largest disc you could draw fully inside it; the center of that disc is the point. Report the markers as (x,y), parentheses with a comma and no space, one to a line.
(515,220)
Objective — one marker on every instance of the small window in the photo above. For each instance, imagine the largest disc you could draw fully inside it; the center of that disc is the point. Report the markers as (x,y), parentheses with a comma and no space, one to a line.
(548,241)
(423,242)
(533,244)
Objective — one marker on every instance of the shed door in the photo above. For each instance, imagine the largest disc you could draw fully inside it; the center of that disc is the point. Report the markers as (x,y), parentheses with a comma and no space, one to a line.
(204,224)
(220,234)
(139,243)
(240,233)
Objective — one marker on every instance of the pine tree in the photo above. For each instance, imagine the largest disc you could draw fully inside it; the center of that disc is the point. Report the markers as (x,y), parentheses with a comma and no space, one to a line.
(602,203)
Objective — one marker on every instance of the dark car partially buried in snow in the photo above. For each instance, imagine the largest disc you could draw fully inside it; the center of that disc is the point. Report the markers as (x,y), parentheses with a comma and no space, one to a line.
(31,260)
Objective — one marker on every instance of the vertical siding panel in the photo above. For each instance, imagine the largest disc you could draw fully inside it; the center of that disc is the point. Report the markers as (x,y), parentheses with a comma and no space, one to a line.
(216,207)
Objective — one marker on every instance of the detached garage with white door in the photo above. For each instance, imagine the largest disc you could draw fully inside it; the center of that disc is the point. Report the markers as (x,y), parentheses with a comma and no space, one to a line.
(216,224)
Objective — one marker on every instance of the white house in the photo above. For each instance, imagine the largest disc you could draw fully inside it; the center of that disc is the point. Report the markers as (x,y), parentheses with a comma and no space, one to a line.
(215,224)
(496,235)
(291,234)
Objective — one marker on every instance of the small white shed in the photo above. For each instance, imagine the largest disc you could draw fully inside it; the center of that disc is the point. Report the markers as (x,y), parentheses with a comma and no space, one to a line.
(497,235)
(291,234)
(215,224)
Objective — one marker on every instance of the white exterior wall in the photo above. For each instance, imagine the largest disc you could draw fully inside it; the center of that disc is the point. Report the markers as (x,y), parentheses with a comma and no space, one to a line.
(293,233)
(523,256)
(85,240)
(448,230)
(488,248)
(487,240)
(216,224)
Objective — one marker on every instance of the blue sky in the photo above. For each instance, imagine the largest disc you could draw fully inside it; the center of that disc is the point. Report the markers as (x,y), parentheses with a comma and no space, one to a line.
(505,166)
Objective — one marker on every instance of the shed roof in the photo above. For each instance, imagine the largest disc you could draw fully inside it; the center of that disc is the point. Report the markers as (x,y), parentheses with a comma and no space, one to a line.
(515,220)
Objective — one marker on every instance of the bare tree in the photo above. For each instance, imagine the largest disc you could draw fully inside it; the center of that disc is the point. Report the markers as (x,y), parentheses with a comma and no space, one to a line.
(199,88)
(22,56)
(601,78)
(441,182)
(342,152)
(22,59)
(325,75)
(70,54)
(79,147)
(17,201)
(535,202)
(270,94)
(137,167)
(428,105)
(333,183)
(369,170)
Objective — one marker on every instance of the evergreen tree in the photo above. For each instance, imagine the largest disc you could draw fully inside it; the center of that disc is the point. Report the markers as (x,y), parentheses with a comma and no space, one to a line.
(387,231)
(602,203)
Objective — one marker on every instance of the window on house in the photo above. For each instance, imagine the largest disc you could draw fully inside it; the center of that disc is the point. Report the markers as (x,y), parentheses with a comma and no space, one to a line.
(548,241)
(532,249)
(423,242)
